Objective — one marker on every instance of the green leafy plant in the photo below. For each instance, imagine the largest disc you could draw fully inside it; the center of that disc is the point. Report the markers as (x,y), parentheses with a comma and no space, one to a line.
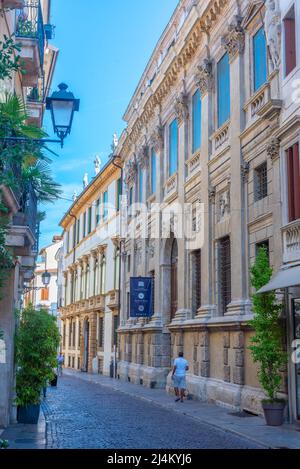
(267,348)
(4,444)
(37,341)
(10,60)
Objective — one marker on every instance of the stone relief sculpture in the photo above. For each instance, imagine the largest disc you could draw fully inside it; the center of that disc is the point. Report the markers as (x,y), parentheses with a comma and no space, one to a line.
(273,31)
(97,164)
(224,205)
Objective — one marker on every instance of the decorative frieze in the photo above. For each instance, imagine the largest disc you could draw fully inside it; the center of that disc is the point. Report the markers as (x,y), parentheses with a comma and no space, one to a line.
(181,107)
(204,77)
(234,40)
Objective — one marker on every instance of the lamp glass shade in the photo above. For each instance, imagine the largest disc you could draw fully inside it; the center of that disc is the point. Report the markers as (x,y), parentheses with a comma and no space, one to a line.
(46,277)
(62,105)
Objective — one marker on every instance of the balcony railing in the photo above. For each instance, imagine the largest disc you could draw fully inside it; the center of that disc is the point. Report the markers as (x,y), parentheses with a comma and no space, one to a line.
(291,242)
(29,24)
(10,175)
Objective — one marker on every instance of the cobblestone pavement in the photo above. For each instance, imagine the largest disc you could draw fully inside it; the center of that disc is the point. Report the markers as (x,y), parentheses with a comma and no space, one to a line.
(80,414)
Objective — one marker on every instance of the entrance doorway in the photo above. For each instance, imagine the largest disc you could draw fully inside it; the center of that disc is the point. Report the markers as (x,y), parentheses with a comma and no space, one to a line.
(174,282)
(86,338)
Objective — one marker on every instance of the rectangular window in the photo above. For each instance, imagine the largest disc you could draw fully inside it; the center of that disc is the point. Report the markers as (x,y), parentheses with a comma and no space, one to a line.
(84,225)
(224,273)
(141,185)
(196,280)
(293,181)
(119,193)
(290,41)
(153,171)
(261,182)
(89,220)
(196,121)
(45,294)
(115,330)
(173,147)
(105,202)
(101,332)
(223,90)
(78,230)
(70,333)
(260,58)
(74,334)
(98,214)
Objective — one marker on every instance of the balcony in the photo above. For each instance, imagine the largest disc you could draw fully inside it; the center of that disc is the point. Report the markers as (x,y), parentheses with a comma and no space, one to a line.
(170,188)
(261,105)
(113,300)
(22,235)
(291,242)
(31,34)
(35,107)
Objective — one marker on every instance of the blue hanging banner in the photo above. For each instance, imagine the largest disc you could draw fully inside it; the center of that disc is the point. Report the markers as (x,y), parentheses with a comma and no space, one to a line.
(141,297)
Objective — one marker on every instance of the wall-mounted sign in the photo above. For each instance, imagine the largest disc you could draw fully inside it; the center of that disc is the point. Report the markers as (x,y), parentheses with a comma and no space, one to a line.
(141,297)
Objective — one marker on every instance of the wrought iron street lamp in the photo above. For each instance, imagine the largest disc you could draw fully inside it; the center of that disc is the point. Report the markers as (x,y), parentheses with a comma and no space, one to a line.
(46,277)
(62,105)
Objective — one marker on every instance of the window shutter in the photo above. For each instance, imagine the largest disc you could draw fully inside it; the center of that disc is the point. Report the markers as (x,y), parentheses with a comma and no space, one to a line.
(290,45)
(296,175)
(260,59)
(223,90)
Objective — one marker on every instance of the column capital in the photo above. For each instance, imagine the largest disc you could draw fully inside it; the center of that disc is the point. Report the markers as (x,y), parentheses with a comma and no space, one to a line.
(273,149)
(130,169)
(157,138)
(234,40)
(142,156)
(204,77)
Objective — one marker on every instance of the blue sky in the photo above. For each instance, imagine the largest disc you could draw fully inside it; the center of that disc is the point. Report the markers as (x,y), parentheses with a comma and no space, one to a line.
(104,48)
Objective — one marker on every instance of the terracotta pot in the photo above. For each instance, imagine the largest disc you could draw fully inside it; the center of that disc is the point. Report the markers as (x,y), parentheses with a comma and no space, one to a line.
(274,413)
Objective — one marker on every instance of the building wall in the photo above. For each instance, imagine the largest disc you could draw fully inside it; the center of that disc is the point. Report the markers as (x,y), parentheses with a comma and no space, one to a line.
(223,175)
(94,301)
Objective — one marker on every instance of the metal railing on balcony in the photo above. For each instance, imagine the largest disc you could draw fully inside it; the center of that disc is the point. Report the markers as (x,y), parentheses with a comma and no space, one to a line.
(29,24)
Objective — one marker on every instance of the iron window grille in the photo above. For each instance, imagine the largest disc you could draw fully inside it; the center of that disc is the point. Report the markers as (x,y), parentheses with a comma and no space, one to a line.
(261,182)
(225,273)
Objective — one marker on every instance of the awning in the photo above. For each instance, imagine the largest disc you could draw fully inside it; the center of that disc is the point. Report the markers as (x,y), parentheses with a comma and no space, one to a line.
(284,278)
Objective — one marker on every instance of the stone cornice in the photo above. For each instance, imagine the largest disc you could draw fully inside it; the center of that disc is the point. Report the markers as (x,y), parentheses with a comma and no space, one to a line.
(192,43)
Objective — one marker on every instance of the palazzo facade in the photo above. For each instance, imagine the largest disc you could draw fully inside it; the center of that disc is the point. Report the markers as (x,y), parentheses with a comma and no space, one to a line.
(205,126)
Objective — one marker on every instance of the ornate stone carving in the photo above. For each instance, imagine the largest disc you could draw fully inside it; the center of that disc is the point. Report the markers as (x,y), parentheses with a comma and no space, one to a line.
(204,77)
(224,204)
(245,168)
(157,138)
(211,194)
(181,107)
(142,156)
(130,170)
(234,40)
(273,31)
(273,149)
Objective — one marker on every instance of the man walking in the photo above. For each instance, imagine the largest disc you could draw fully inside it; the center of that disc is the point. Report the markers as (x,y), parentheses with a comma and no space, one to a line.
(180,368)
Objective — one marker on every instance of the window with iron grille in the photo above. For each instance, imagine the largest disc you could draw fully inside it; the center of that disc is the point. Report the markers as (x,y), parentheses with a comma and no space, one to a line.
(101,332)
(261,182)
(196,280)
(224,273)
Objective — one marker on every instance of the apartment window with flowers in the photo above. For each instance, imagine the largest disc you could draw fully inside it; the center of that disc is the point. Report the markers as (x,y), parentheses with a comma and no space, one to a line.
(173,147)
(293,182)
(196,105)
(260,58)
(223,72)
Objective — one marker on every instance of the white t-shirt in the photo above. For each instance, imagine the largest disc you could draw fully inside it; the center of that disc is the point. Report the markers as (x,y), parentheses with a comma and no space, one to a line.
(181,364)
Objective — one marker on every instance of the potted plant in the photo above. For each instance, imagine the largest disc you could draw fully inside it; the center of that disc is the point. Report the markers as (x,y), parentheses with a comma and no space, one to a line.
(267,343)
(37,341)
(4,444)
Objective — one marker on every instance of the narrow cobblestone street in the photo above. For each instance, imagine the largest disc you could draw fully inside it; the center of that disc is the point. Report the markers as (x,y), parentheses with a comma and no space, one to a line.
(85,415)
